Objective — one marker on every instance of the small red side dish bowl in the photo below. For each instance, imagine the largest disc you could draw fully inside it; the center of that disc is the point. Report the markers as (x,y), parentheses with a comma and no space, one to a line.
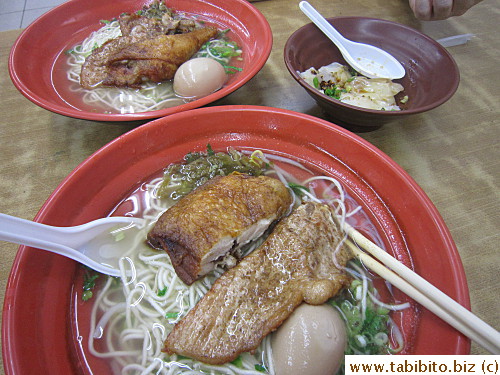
(45,325)
(432,76)
(37,63)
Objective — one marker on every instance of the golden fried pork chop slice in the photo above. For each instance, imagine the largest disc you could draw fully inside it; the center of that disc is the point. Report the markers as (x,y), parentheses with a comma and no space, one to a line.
(302,260)
(216,219)
(129,61)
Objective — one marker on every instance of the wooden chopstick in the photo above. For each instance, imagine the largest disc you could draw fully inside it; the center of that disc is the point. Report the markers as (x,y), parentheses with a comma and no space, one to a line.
(424,292)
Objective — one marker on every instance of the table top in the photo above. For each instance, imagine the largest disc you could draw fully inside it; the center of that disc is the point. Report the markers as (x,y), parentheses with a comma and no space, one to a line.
(452,152)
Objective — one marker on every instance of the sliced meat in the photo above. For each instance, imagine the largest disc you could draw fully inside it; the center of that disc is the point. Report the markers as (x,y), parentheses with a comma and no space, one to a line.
(215,219)
(129,61)
(299,262)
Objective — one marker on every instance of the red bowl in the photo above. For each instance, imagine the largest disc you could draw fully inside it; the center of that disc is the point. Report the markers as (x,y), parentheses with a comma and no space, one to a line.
(39,332)
(37,63)
(432,76)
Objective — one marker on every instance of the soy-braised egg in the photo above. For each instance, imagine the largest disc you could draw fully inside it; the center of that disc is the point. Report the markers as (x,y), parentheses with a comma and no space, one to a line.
(311,341)
(199,77)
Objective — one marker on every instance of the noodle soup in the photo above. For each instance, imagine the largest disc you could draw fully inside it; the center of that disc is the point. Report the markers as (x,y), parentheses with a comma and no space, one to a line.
(126,322)
(151,96)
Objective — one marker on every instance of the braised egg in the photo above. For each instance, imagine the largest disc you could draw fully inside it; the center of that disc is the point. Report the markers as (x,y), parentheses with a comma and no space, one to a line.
(199,77)
(311,341)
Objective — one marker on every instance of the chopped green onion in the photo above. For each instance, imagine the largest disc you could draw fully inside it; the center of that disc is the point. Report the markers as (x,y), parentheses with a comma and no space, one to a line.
(118,236)
(230,69)
(297,188)
(89,280)
(260,368)
(238,362)
(316,82)
(172,315)
(162,292)
(334,91)
(367,333)
(87,295)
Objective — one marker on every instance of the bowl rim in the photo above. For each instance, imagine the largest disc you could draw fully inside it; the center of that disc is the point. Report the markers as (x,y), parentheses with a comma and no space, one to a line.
(66,110)
(326,98)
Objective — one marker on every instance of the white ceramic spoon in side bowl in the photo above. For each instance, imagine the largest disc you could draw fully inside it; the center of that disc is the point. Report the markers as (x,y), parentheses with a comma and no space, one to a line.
(368,60)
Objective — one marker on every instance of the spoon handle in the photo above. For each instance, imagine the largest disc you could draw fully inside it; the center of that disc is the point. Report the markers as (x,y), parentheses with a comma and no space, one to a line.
(66,241)
(324,25)
(37,235)
(15,229)
(71,236)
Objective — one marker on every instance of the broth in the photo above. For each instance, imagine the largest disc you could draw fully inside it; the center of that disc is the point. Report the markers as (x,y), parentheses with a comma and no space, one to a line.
(142,203)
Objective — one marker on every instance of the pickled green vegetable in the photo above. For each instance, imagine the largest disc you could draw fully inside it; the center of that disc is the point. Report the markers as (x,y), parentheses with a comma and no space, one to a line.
(198,168)
(155,10)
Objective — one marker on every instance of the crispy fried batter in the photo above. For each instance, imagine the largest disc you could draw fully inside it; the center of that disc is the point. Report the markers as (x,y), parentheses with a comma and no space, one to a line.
(216,218)
(128,61)
(298,262)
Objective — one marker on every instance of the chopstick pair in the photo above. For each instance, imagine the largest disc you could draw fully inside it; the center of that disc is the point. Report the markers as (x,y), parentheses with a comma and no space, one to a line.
(423,292)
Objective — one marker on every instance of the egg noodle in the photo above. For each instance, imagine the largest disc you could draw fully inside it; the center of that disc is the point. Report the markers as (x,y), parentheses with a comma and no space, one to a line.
(132,316)
(151,96)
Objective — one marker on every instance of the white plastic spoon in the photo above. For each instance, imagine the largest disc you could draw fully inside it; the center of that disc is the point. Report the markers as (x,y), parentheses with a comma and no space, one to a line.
(368,60)
(91,244)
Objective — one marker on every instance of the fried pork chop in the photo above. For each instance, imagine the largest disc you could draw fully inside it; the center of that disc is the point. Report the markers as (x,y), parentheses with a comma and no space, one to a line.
(216,219)
(132,59)
(299,262)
